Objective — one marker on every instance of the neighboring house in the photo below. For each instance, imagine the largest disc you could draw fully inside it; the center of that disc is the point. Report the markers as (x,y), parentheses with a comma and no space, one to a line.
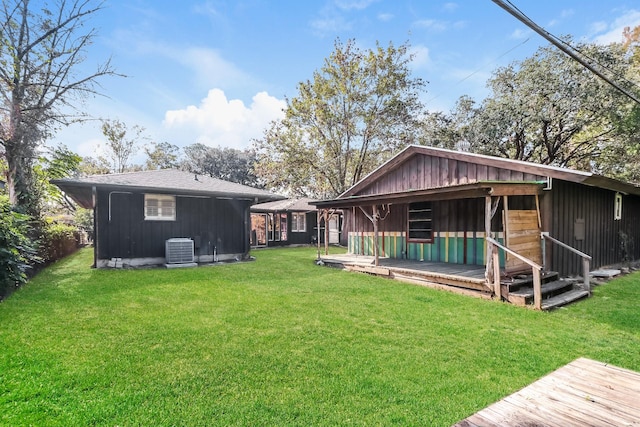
(431,204)
(290,222)
(136,213)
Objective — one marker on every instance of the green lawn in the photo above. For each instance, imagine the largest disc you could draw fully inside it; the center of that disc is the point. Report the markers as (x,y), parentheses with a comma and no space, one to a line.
(281,341)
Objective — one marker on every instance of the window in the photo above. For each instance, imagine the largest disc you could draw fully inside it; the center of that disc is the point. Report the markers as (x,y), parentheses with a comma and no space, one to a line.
(298,222)
(617,208)
(420,221)
(158,207)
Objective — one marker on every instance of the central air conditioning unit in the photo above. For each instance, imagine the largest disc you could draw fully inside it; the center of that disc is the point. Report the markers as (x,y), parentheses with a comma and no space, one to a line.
(179,250)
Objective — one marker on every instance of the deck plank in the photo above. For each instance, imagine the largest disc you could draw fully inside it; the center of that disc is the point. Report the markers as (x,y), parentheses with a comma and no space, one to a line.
(583,393)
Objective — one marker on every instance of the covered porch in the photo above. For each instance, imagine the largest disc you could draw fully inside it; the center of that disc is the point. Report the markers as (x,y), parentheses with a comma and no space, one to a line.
(507,260)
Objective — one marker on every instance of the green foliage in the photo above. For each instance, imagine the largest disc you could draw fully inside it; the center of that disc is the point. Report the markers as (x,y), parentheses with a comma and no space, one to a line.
(225,163)
(245,344)
(57,240)
(162,156)
(83,219)
(549,109)
(59,162)
(17,250)
(41,81)
(358,110)
(122,143)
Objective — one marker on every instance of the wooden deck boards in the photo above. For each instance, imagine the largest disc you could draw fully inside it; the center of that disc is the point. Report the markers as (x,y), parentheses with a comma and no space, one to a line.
(583,393)
(454,275)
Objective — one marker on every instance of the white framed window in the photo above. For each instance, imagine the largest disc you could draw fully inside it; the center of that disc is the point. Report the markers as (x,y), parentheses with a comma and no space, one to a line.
(617,207)
(159,207)
(298,222)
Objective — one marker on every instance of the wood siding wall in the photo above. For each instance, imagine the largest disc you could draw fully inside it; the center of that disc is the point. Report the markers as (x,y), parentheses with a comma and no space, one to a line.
(219,224)
(422,172)
(458,227)
(603,235)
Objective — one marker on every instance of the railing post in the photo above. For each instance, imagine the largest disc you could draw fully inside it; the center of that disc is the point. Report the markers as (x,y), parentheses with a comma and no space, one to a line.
(497,289)
(585,268)
(537,289)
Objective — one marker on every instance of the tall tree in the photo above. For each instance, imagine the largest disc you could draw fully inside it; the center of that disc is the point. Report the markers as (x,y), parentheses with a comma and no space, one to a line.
(162,155)
(40,85)
(122,143)
(358,109)
(225,163)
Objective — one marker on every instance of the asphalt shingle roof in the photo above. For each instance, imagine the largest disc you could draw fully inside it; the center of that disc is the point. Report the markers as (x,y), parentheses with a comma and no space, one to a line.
(166,181)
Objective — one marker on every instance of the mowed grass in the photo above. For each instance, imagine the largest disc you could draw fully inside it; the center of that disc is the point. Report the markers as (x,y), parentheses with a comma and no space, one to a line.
(281,341)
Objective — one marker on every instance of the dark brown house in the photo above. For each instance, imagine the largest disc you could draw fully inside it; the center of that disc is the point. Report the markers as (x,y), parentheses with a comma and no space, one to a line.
(434,205)
(290,222)
(166,216)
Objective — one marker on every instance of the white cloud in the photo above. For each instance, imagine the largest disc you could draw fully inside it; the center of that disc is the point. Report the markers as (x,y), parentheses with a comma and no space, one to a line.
(385,17)
(519,34)
(330,25)
(218,121)
(450,7)
(354,4)
(612,32)
(431,24)
(421,58)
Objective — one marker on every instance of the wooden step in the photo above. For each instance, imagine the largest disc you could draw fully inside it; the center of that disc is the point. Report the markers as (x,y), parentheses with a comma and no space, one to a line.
(524,296)
(524,281)
(564,299)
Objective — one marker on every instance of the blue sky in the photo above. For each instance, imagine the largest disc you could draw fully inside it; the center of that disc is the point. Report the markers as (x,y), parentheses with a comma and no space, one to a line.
(217,72)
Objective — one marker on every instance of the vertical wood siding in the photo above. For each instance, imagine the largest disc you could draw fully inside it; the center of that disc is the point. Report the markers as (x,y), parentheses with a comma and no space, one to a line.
(458,233)
(220,224)
(422,172)
(604,236)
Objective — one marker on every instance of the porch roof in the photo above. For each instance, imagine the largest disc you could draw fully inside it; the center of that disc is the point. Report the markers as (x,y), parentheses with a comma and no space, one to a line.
(462,191)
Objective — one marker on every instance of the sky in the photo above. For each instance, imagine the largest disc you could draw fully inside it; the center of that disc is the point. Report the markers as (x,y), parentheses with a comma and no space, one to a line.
(218,72)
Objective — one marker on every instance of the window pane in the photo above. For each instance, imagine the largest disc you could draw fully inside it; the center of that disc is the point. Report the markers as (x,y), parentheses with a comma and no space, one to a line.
(167,208)
(152,207)
(159,207)
(302,224)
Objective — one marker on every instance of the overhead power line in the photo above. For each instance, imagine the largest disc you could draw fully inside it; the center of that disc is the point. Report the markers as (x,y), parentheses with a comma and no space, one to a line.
(560,45)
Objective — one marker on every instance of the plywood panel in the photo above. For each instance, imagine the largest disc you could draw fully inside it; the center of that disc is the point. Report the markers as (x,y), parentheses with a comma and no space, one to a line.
(523,237)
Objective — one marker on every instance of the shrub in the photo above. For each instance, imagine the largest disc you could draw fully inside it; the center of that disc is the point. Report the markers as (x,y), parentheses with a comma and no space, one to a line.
(57,240)
(17,250)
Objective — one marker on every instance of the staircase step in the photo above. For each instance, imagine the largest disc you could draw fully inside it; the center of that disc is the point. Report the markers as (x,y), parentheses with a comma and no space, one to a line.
(564,299)
(524,281)
(524,296)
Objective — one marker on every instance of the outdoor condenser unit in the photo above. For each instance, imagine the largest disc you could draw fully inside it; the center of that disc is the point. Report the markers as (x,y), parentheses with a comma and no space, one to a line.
(179,250)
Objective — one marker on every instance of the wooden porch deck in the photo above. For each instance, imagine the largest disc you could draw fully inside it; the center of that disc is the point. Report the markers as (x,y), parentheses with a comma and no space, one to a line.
(583,393)
(462,278)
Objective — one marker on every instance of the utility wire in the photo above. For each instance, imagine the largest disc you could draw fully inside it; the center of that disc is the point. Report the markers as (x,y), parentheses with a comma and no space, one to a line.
(579,51)
(478,70)
(560,45)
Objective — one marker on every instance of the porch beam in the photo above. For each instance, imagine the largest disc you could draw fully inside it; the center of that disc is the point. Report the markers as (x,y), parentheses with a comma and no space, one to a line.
(465,191)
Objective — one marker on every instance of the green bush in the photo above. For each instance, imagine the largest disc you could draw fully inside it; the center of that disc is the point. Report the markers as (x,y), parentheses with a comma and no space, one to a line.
(17,249)
(57,240)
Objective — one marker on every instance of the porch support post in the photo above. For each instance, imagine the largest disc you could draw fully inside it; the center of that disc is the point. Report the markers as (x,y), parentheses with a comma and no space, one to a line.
(318,215)
(488,274)
(326,231)
(496,276)
(375,235)
(94,202)
(374,220)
